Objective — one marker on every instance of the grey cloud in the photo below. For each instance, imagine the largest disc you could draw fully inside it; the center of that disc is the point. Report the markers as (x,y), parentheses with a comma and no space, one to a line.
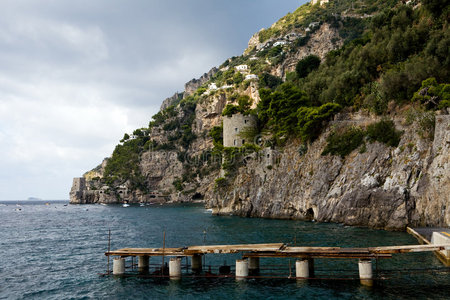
(76,75)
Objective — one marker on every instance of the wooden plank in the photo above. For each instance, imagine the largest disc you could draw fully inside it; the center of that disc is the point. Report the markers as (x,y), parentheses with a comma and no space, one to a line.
(316,255)
(310,249)
(146,252)
(233,248)
(418,236)
(409,248)
(331,250)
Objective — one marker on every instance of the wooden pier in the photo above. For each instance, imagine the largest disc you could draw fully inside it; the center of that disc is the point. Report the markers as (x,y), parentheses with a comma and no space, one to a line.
(251,253)
(279,250)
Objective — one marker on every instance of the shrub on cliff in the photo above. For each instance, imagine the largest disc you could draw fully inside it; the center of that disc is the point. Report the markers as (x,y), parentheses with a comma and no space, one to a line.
(267,80)
(217,136)
(433,95)
(243,107)
(344,142)
(311,119)
(307,65)
(384,131)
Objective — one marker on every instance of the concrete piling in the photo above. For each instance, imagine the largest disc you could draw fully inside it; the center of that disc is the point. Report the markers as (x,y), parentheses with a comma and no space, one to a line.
(143,264)
(365,272)
(241,269)
(196,263)
(175,268)
(302,269)
(118,266)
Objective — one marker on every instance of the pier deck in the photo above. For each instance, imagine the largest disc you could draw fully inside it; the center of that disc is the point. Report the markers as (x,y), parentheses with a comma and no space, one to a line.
(279,250)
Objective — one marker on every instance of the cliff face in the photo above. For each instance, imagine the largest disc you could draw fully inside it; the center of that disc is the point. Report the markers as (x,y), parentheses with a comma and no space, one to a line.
(176,159)
(384,187)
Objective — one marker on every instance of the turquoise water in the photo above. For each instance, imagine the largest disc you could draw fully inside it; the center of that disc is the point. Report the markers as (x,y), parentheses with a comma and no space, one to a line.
(56,251)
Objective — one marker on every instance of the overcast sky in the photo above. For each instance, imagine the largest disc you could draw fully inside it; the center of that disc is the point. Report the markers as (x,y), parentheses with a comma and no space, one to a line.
(76,75)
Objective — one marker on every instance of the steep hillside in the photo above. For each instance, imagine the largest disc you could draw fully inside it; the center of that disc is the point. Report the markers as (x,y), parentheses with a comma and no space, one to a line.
(337,112)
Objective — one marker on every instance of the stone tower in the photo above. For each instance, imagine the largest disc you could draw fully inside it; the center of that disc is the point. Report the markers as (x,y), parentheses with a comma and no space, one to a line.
(233,127)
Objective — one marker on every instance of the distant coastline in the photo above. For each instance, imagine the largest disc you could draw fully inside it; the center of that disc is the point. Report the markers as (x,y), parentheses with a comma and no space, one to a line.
(32,201)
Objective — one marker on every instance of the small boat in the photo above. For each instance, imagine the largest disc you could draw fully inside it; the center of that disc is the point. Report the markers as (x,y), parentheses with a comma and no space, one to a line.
(125,205)
(141,204)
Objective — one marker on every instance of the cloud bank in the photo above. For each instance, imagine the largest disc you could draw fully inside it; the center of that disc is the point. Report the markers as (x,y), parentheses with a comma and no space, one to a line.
(76,75)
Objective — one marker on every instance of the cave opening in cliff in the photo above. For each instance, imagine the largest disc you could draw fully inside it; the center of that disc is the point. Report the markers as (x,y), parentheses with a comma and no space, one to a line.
(309,214)
(197,196)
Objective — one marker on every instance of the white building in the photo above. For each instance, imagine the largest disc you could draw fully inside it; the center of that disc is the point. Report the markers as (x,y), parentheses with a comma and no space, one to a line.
(314,24)
(292,36)
(279,43)
(241,68)
(251,77)
(212,87)
(321,2)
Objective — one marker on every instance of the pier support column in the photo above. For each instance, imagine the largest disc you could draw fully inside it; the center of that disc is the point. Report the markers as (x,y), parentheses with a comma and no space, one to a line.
(143,263)
(253,266)
(196,263)
(118,266)
(302,268)
(241,269)
(175,268)
(365,272)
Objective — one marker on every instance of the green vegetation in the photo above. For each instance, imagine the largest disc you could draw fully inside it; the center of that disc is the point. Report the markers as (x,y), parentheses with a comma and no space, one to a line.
(278,108)
(124,164)
(243,107)
(267,80)
(344,142)
(384,131)
(433,95)
(311,120)
(306,65)
(287,112)
(400,49)
(330,13)
(178,184)
(385,59)
(217,135)
(425,121)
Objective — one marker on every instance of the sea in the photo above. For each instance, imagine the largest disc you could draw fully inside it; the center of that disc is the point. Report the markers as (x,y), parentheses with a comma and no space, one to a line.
(54,250)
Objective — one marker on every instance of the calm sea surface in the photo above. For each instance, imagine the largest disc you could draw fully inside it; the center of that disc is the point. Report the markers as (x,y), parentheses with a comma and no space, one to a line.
(56,251)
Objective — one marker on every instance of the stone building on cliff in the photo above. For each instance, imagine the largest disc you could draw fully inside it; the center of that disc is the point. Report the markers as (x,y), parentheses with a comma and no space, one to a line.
(233,128)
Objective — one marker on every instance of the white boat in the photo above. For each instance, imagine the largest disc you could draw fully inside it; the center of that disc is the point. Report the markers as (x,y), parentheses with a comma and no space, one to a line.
(125,205)
(141,204)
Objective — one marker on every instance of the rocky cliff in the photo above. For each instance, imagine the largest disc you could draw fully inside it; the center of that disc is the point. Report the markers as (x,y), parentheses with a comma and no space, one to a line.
(383,187)
(180,156)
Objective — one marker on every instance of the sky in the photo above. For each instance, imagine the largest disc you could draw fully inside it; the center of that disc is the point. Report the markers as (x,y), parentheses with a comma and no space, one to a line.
(76,75)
